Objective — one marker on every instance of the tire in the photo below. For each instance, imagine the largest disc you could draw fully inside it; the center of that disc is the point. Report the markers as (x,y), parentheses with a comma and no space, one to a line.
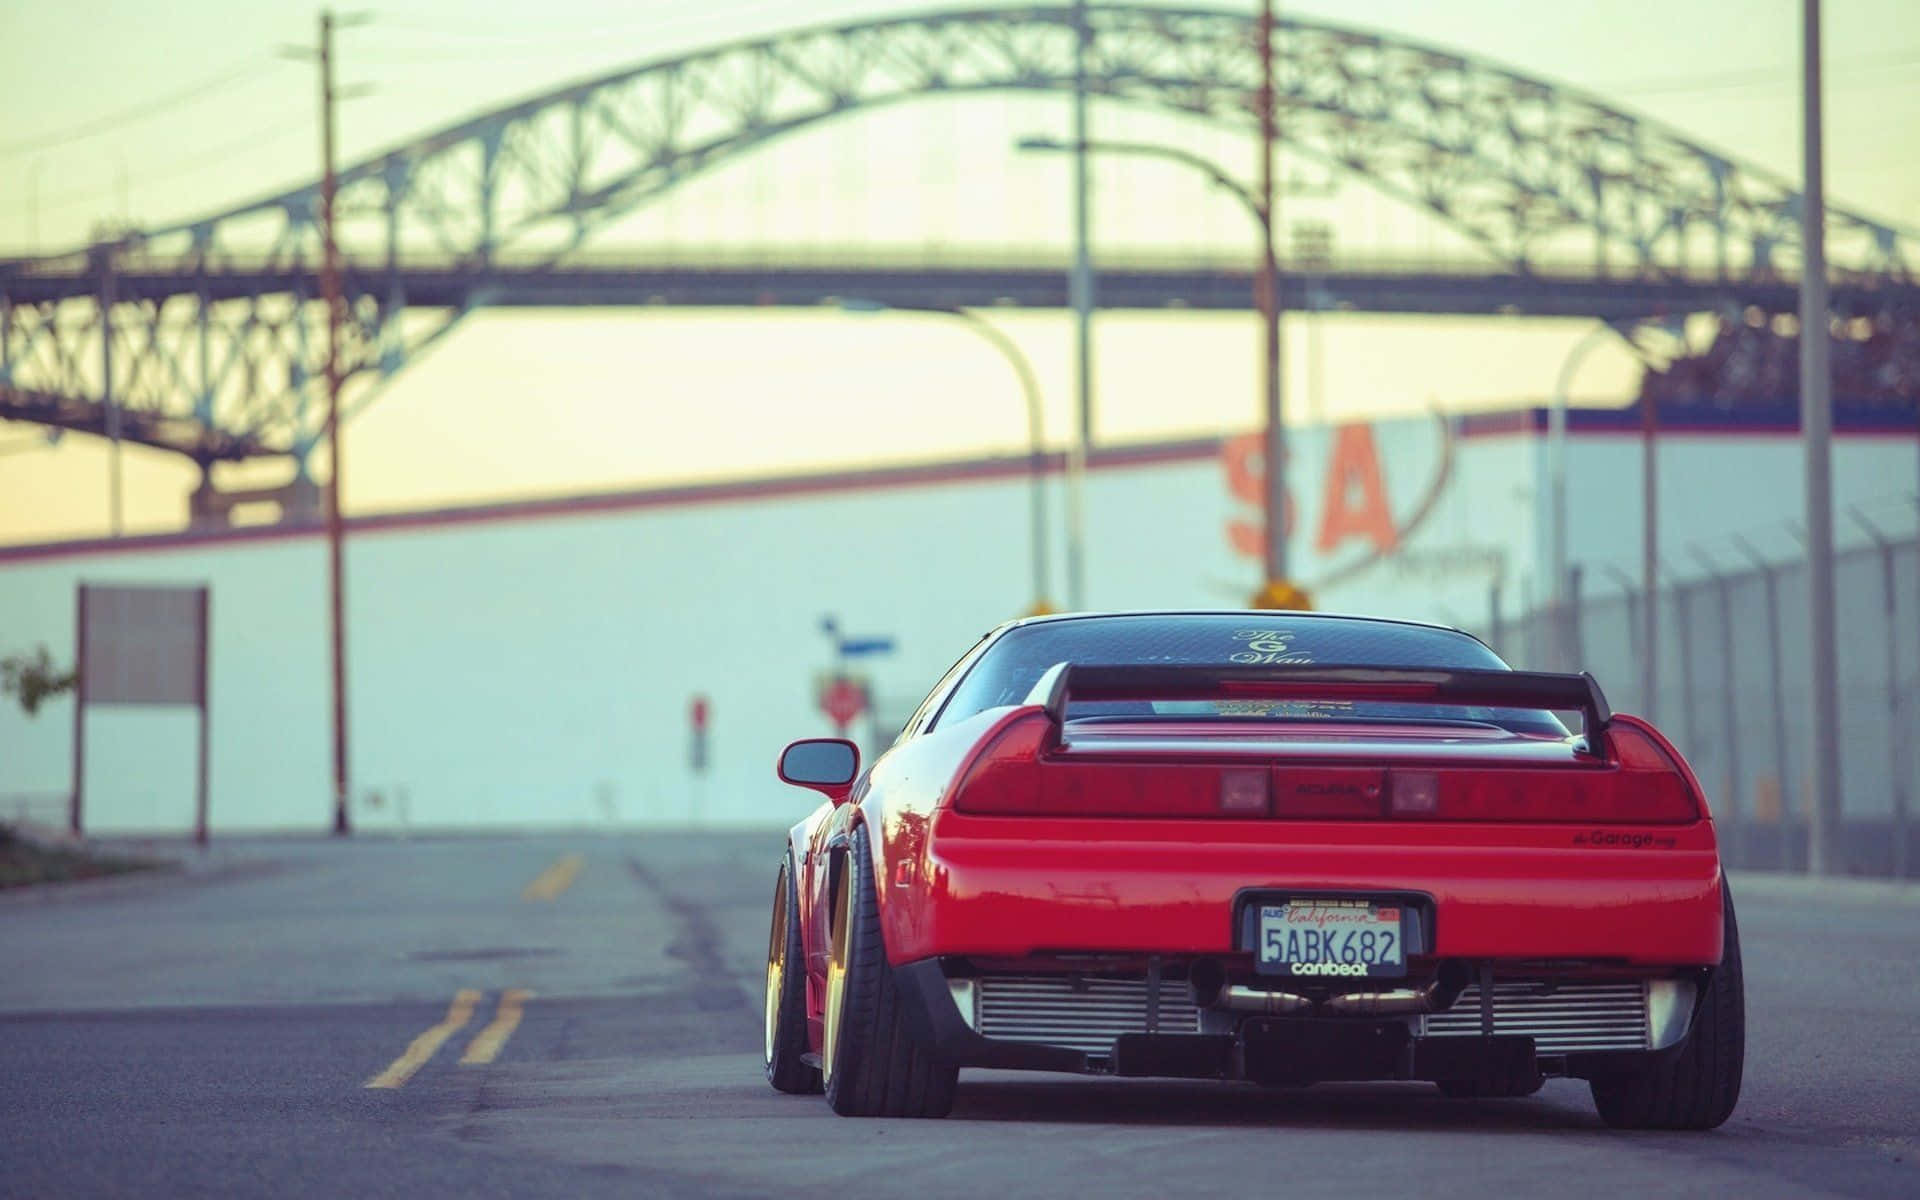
(786,1024)
(1698,1086)
(873,1068)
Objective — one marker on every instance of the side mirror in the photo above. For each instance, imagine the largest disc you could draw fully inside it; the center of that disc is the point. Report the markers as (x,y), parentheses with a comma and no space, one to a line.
(827,765)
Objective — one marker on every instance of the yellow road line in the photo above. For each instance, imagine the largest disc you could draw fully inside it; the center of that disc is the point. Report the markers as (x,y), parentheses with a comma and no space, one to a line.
(555,879)
(423,1047)
(486,1044)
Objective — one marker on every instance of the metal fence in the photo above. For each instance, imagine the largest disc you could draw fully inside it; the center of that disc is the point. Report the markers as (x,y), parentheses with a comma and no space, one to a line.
(1732,691)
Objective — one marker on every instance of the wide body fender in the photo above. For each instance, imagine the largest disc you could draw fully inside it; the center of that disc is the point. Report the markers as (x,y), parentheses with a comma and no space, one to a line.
(907,786)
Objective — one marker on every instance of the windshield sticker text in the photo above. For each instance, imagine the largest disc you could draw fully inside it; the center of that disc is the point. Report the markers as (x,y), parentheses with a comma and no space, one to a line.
(1266,647)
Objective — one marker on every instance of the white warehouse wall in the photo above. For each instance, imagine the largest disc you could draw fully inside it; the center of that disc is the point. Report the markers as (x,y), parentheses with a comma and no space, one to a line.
(529,664)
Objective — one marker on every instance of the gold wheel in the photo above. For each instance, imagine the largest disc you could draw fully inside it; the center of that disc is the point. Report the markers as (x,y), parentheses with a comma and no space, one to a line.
(776,965)
(836,976)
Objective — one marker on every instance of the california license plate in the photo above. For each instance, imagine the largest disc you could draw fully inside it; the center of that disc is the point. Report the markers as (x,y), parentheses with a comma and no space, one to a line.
(1331,938)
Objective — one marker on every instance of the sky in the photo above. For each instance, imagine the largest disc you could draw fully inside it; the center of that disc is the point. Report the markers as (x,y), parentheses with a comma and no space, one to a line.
(117,111)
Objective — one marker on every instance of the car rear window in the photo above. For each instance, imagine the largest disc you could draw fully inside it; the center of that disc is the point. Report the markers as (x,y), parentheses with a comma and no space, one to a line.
(1013,664)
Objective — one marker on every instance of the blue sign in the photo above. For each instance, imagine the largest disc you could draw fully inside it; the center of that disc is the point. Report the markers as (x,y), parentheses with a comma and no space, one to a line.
(855,647)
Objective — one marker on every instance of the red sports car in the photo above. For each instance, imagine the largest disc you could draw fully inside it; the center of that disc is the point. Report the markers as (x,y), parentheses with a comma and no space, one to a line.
(1277,847)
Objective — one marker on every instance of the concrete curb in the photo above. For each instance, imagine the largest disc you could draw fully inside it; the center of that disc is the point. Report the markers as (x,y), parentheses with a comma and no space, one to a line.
(172,865)
(109,887)
(1786,886)
(94,887)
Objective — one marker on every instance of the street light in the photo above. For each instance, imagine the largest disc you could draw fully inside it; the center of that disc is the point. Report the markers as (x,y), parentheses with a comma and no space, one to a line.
(1036,446)
(1278,591)
(1557,478)
(1206,166)
(1649,498)
(1824,854)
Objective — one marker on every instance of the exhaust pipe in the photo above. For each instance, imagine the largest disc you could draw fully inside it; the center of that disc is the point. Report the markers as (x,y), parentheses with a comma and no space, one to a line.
(1252,1000)
(1398,1002)
(1437,996)
(1208,980)
(1211,990)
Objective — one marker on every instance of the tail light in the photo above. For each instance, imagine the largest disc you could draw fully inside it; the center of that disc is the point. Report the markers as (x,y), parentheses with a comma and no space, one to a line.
(1004,776)
(1644,786)
(1012,774)
(1015,773)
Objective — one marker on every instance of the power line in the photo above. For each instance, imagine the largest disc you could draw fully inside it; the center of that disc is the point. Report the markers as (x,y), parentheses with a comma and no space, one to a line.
(1895,60)
(655,31)
(211,156)
(128,116)
(476,56)
(480,47)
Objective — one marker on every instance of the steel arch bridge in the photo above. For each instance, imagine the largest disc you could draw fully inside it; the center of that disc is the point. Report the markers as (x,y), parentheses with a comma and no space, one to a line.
(205,338)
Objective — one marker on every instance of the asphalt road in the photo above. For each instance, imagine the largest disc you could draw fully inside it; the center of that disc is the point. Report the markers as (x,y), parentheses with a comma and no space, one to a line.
(213,1034)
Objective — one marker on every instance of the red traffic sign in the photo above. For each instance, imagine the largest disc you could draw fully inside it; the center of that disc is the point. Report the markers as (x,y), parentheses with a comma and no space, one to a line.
(697,713)
(843,700)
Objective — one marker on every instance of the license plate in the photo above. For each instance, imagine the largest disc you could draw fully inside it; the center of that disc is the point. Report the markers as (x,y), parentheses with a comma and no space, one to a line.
(1321,937)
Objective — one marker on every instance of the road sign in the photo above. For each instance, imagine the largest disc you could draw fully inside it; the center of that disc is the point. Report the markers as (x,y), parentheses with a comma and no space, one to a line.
(852,647)
(842,700)
(139,646)
(697,717)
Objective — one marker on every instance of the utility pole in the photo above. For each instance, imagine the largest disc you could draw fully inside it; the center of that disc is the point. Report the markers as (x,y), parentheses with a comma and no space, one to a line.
(1824,856)
(1269,301)
(1278,591)
(1650,555)
(331,298)
(116,507)
(1080,287)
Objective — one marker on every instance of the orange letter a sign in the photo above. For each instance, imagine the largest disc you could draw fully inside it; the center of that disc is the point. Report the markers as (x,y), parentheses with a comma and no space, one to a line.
(1355,504)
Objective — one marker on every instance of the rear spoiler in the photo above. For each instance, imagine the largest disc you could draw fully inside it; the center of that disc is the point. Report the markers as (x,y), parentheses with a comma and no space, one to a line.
(1066,682)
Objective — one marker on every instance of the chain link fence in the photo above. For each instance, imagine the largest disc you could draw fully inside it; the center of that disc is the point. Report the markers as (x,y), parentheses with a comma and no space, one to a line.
(1732,691)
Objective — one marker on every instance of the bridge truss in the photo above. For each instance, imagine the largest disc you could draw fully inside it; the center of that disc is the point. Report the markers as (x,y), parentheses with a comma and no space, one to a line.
(205,338)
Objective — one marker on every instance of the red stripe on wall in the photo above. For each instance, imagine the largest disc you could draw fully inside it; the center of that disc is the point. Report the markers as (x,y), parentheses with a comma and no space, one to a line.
(980,470)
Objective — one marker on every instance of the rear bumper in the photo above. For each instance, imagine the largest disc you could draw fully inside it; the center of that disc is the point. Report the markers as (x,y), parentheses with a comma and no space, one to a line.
(1018,888)
(1309,1049)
